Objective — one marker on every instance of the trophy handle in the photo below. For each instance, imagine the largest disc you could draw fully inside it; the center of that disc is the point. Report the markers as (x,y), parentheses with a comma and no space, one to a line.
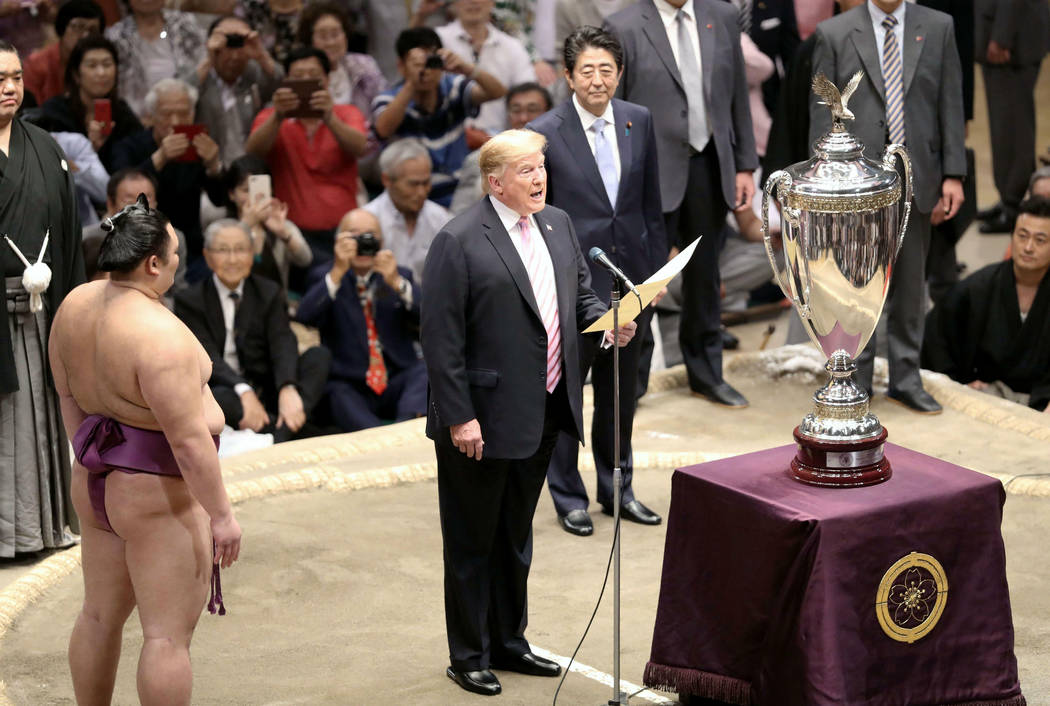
(887,163)
(781,181)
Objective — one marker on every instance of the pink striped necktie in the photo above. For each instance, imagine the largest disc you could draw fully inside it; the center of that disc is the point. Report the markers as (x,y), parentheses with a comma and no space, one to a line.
(546,294)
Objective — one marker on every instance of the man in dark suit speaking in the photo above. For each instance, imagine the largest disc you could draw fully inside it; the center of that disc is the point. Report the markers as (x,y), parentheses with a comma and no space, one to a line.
(602,170)
(505,289)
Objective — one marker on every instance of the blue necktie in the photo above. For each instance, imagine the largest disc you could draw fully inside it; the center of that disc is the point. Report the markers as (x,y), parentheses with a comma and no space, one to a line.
(606,162)
(893,80)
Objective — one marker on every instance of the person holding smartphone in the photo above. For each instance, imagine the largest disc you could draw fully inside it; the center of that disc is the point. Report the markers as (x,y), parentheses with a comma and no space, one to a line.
(91,104)
(312,147)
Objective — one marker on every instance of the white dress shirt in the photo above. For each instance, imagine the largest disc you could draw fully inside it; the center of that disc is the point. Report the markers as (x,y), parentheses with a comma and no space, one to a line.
(501,55)
(509,218)
(410,249)
(229,312)
(668,13)
(877,16)
(587,119)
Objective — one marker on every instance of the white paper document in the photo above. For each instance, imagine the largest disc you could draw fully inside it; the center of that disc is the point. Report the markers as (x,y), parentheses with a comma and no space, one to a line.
(630,307)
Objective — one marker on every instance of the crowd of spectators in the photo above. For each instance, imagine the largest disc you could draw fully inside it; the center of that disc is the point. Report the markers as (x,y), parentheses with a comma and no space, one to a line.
(307,153)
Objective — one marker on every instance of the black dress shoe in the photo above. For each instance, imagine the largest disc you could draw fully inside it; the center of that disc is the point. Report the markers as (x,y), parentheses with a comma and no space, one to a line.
(481,682)
(918,400)
(1003,223)
(635,512)
(577,522)
(987,214)
(723,394)
(528,663)
(729,340)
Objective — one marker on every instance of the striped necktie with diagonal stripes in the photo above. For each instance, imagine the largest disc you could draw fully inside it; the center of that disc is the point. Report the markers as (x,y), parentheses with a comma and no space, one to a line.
(546,293)
(893,80)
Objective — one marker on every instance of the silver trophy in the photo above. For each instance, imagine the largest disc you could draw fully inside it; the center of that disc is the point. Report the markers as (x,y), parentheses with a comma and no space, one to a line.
(843,225)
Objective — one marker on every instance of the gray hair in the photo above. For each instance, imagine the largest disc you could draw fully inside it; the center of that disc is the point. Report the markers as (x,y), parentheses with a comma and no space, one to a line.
(1038,174)
(399,152)
(170,85)
(222,224)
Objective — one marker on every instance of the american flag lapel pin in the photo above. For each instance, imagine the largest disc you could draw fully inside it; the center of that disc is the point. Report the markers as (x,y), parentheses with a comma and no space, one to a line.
(919,38)
(709,26)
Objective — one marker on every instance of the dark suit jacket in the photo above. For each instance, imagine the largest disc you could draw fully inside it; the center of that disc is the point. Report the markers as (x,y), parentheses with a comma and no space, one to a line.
(962,14)
(483,340)
(342,323)
(651,78)
(933,106)
(1021,26)
(789,133)
(266,346)
(774,30)
(633,234)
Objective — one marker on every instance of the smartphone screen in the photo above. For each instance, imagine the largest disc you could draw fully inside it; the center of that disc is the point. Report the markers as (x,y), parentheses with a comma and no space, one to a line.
(104,114)
(260,189)
(190,131)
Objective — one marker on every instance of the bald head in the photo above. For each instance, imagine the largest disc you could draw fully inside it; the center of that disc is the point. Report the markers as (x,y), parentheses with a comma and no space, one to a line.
(360,221)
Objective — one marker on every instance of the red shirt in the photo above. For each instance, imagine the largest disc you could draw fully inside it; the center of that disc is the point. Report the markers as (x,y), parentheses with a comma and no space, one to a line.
(43,73)
(315,177)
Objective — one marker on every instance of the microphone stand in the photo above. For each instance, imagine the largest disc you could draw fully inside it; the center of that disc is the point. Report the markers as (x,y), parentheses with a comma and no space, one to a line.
(619,697)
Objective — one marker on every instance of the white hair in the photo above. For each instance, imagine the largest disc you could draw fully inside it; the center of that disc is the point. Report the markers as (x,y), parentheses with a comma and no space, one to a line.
(170,85)
(397,153)
(222,224)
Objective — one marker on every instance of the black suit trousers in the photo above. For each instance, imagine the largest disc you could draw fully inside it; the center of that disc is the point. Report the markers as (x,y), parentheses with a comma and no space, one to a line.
(563,476)
(486,511)
(311,374)
(702,212)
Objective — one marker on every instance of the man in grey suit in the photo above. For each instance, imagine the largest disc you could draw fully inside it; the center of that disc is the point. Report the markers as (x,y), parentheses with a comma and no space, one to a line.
(911,93)
(1011,39)
(682,60)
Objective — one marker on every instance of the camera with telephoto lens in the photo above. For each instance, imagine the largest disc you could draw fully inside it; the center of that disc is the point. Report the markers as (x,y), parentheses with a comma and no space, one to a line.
(367,244)
(434,61)
(236,41)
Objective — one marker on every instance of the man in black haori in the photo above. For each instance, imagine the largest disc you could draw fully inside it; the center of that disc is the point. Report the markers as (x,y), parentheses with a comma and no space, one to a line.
(42,261)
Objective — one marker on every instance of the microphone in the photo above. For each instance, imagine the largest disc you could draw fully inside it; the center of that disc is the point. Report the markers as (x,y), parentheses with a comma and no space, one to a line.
(598,255)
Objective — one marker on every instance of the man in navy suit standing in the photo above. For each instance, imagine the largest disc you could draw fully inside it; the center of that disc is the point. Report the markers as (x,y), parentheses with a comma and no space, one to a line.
(506,289)
(602,170)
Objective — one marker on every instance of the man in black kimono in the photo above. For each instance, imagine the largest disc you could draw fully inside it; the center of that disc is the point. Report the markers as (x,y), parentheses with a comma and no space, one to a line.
(38,214)
(992,330)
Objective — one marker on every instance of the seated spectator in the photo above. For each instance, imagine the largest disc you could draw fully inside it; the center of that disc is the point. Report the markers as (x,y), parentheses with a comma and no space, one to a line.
(432,103)
(155,44)
(313,160)
(123,189)
(992,330)
(277,242)
(276,21)
(89,175)
(367,308)
(355,79)
(44,70)
(28,24)
(258,377)
(408,219)
(1039,183)
(181,166)
(91,75)
(236,79)
(525,103)
(473,34)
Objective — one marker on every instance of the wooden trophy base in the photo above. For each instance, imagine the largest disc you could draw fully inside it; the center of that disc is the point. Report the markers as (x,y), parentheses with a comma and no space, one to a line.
(840,464)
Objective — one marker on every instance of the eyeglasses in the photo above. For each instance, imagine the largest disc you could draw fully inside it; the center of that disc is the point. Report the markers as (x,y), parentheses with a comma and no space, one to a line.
(227,252)
(328,34)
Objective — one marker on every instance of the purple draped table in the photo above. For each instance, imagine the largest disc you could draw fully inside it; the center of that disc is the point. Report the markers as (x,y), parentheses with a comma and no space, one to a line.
(776,593)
